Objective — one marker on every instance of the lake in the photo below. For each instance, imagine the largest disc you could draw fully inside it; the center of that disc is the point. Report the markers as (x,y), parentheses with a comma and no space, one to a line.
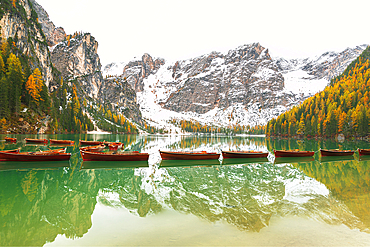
(272,202)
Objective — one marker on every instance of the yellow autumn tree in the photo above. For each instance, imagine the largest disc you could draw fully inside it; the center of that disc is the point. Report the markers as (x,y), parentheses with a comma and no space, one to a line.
(34,85)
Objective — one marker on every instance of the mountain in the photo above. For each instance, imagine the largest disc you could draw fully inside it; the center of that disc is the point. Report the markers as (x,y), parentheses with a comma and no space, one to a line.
(244,86)
(341,108)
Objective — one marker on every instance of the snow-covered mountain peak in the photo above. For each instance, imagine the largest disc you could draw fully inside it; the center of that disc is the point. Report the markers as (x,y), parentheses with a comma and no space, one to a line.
(242,86)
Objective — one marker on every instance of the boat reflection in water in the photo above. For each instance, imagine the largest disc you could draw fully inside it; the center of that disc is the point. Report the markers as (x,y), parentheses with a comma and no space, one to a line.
(244,161)
(113,164)
(335,158)
(184,163)
(291,160)
(30,165)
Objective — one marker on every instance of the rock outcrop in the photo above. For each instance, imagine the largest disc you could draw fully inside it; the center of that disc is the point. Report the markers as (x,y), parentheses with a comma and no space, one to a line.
(54,35)
(21,24)
(78,59)
(117,91)
(137,71)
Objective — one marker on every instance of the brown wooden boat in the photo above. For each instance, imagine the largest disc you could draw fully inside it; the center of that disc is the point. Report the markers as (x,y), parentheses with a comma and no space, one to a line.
(82,142)
(336,152)
(113,156)
(114,146)
(188,155)
(96,148)
(243,154)
(49,155)
(61,142)
(362,152)
(293,153)
(41,141)
(10,139)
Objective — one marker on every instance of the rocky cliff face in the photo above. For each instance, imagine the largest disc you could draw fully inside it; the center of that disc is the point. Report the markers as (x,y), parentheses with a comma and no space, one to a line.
(137,71)
(326,66)
(117,91)
(21,24)
(53,35)
(77,59)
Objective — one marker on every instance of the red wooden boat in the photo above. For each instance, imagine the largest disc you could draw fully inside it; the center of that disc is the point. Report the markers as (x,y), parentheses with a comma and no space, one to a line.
(61,142)
(188,155)
(336,152)
(10,139)
(82,142)
(293,153)
(362,152)
(49,155)
(42,141)
(114,146)
(96,148)
(110,156)
(243,154)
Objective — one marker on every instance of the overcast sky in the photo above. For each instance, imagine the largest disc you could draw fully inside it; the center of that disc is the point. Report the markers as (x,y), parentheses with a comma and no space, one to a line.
(174,30)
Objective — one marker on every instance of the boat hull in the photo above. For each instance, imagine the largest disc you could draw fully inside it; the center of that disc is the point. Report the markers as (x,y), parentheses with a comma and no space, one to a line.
(42,141)
(9,139)
(189,155)
(291,153)
(325,152)
(61,142)
(96,148)
(125,156)
(362,152)
(45,156)
(91,142)
(243,154)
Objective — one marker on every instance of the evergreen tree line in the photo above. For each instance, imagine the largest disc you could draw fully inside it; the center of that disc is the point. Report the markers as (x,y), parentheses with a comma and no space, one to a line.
(342,108)
(23,88)
(108,119)
(19,85)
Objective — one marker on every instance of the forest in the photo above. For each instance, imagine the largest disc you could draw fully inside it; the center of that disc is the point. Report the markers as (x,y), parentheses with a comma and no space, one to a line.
(343,107)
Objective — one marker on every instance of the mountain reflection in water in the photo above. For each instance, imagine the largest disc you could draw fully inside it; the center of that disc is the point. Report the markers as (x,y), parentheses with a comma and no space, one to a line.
(40,203)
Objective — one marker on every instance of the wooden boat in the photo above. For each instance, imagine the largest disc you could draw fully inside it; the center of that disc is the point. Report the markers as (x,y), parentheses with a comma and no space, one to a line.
(243,154)
(61,142)
(114,146)
(96,148)
(362,152)
(112,156)
(188,155)
(293,153)
(336,152)
(42,141)
(49,155)
(10,139)
(82,142)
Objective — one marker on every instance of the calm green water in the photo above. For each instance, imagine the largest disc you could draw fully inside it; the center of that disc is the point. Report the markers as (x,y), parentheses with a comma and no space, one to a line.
(306,202)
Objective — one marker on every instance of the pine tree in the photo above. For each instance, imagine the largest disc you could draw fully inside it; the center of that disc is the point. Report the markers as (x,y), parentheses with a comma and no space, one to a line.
(4,104)
(15,79)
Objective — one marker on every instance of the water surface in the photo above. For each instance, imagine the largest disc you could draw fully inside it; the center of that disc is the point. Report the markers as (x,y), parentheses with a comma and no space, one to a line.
(272,202)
